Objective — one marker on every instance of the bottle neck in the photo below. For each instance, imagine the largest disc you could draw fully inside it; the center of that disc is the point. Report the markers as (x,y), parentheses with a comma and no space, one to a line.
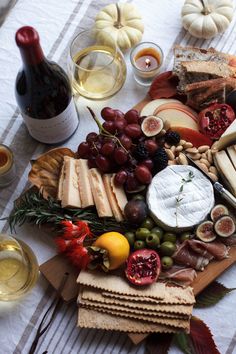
(32,55)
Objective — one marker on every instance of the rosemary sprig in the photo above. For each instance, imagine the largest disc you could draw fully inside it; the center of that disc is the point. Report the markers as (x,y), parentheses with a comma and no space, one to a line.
(33,208)
(179,198)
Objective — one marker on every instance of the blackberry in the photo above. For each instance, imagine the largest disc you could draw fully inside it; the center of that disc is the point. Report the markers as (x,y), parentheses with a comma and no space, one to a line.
(160,159)
(172,137)
(140,152)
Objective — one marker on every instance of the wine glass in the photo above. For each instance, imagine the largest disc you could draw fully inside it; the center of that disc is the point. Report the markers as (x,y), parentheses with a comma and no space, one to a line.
(18,268)
(96,66)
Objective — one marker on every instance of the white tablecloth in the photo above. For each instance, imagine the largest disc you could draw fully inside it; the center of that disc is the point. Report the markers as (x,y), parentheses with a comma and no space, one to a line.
(57,22)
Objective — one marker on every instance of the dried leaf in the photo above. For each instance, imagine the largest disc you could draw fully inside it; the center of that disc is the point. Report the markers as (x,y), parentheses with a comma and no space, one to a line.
(183,341)
(201,337)
(212,295)
(158,343)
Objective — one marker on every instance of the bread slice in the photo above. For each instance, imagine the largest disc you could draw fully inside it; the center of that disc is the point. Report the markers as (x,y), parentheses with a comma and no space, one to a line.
(99,193)
(201,94)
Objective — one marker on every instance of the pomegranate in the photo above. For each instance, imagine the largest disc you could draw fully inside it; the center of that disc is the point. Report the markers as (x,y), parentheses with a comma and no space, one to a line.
(143,267)
(215,119)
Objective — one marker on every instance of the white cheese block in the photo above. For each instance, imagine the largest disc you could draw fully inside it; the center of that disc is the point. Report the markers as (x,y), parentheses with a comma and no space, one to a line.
(112,197)
(84,185)
(151,107)
(70,190)
(227,138)
(226,170)
(232,154)
(196,199)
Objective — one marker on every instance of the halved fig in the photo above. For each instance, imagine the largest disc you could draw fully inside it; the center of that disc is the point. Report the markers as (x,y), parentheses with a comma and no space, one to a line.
(225,226)
(218,211)
(205,231)
(152,126)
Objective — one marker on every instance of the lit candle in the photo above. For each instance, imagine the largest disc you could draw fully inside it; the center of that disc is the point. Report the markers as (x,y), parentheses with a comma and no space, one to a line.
(146,59)
(7,166)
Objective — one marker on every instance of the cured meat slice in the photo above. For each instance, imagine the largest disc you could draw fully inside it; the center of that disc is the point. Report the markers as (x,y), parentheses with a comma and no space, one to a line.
(229,241)
(216,248)
(179,274)
(185,256)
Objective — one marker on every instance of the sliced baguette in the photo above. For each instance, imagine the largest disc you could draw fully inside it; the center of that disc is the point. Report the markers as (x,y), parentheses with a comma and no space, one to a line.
(112,197)
(99,193)
(70,190)
(84,185)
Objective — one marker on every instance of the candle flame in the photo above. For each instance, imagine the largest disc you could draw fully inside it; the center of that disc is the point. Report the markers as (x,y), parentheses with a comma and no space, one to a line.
(147,62)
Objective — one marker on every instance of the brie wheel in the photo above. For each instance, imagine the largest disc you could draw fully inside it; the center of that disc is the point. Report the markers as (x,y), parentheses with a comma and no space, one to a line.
(195,200)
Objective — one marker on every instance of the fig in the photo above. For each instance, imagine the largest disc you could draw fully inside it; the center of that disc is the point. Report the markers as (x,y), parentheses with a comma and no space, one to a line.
(224,226)
(136,211)
(152,126)
(218,211)
(143,267)
(205,231)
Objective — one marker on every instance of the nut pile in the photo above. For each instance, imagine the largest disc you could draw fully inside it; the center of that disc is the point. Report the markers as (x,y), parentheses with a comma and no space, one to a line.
(202,157)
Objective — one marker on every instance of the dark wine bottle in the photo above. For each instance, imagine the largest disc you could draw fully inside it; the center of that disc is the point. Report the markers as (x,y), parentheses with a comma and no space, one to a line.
(43,92)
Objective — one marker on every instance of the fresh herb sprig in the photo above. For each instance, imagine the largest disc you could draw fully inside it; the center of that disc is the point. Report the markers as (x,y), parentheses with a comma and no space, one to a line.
(33,208)
(179,198)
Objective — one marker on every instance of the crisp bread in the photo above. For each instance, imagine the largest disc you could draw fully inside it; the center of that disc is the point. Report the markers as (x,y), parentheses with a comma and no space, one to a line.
(93,319)
(94,296)
(173,322)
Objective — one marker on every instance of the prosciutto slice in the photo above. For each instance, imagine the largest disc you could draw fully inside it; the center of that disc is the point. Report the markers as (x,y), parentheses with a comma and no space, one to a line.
(216,248)
(229,241)
(179,274)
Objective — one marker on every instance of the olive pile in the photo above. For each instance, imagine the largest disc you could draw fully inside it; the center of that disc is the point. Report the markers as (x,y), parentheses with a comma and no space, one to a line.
(149,235)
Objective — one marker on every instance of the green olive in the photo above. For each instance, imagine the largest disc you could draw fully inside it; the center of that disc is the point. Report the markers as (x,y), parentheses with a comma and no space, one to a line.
(142,233)
(169,236)
(130,237)
(148,223)
(138,245)
(138,197)
(167,248)
(158,231)
(166,262)
(153,241)
(185,236)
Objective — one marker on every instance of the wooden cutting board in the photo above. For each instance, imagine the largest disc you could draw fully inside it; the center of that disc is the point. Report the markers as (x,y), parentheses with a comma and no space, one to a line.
(55,268)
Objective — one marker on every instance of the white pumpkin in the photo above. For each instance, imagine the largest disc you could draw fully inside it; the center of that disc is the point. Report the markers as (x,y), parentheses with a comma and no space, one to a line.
(121,21)
(207,18)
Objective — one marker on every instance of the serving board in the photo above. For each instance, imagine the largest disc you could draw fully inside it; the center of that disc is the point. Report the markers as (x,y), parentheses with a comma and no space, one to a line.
(55,268)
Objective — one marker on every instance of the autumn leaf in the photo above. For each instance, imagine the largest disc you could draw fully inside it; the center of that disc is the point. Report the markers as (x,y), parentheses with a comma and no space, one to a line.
(198,341)
(212,295)
(158,343)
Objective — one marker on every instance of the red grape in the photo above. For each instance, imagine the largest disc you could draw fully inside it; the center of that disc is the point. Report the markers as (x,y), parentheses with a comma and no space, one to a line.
(102,163)
(108,113)
(83,150)
(120,124)
(120,156)
(107,148)
(125,141)
(131,183)
(95,148)
(120,177)
(133,130)
(148,163)
(151,146)
(91,137)
(109,126)
(132,116)
(92,162)
(143,174)
(118,114)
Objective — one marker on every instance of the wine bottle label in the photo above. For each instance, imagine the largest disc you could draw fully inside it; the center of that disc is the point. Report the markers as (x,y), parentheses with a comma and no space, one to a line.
(53,130)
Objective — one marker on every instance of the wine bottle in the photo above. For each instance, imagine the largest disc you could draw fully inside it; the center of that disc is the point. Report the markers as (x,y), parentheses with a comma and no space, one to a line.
(43,92)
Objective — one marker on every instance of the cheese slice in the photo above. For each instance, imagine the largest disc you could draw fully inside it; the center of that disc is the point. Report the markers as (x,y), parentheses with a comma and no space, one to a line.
(227,138)
(226,170)
(112,197)
(119,194)
(60,182)
(85,190)
(99,193)
(196,198)
(232,154)
(70,191)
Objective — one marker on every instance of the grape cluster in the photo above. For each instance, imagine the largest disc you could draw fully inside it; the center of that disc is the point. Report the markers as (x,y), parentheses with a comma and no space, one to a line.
(121,147)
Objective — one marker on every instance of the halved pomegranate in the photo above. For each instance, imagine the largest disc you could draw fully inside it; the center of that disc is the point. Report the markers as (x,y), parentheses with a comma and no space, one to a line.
(215,119)
(143,267)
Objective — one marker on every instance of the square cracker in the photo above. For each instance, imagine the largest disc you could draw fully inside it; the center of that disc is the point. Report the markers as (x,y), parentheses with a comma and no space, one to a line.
(93,319)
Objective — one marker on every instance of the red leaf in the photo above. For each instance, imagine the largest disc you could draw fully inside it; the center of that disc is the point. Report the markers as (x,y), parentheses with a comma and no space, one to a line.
(165,86)
(158,343)
(201,337)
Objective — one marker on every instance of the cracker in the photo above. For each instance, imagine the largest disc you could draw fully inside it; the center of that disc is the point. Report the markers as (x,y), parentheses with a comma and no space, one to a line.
(130,311)
(94,296)
(173,322)
(94,319)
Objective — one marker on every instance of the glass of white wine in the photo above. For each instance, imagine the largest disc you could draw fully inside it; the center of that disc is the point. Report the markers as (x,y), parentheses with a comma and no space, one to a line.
(18,268)
(96,66)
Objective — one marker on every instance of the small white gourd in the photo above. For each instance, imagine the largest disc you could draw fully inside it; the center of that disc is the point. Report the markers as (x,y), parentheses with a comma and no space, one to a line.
(207,18)
(122,22)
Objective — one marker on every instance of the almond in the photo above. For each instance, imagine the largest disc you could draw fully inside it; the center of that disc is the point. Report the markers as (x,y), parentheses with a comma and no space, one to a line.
(195,156)
(205,162)
(182,159)
(179,148)
(170,154)
(188,145)
(203,148)
(192,150)
(213,177)
(202,166)
(213,169)
(209,156)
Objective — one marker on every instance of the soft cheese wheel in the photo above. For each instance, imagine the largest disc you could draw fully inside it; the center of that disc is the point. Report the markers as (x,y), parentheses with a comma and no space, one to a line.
(196,199)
